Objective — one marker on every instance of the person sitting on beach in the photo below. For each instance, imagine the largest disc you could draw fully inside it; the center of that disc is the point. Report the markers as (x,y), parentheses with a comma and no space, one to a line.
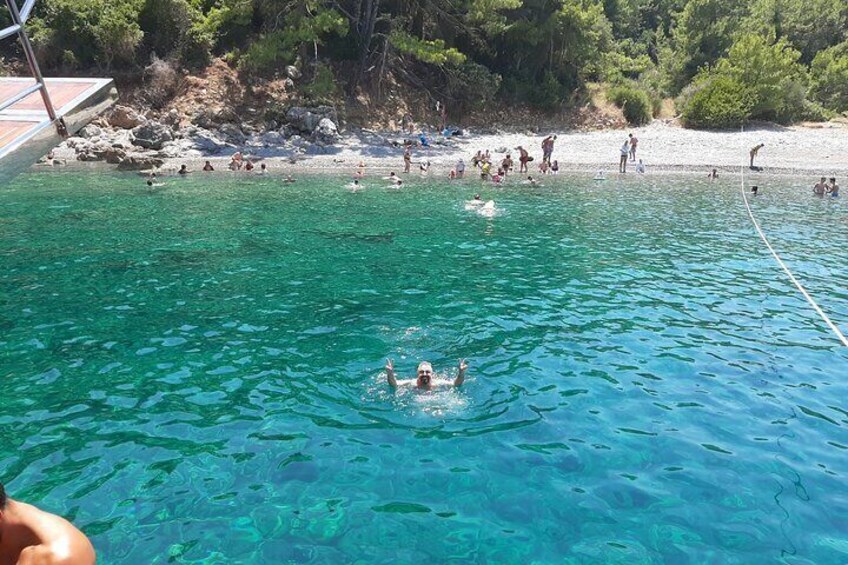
(523,158)
(600,176)
(248,166)
(452,174)
(460,169)
(833,189)
(555,167)
(754,151)
(424,378)
(543,167)
(424,167)
(820,187)
(208,167)
(183,170)
(713,175)
(262,169)
(640,168)
(29,535)
(289,179)
(422,139)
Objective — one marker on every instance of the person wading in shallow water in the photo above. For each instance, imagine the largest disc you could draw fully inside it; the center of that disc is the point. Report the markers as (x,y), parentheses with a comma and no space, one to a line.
(424,379)
(29,536)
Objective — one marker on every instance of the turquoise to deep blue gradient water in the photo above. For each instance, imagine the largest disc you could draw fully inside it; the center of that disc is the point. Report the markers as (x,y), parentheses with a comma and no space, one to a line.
(195,375)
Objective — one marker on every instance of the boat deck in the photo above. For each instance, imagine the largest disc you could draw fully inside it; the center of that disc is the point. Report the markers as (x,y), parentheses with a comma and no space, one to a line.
(26,131)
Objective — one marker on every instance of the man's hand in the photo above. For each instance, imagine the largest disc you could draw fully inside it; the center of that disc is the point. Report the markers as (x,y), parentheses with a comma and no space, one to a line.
(390,373)
(462,365)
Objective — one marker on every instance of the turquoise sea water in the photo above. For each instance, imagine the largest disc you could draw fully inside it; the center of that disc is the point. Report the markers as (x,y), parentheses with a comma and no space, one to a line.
(195,375)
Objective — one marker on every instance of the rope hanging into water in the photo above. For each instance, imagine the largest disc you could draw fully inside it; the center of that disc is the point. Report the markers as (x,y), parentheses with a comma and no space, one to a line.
(780,262)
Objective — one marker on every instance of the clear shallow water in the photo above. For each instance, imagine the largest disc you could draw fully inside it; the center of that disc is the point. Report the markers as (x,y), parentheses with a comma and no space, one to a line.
(195,375)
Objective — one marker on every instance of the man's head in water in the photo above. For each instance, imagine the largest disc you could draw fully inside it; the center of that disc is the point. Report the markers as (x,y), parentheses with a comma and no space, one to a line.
(425,375)
(476,197)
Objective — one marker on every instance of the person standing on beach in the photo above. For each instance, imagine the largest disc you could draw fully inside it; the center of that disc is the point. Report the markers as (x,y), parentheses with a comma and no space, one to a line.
(407,158)
(625,151)
(633,143)
(506,164)
(548,148)
(460,169)
(523,158)
(754,151)
(32,536)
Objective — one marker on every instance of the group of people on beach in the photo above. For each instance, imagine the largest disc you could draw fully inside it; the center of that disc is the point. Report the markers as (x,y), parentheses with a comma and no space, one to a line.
(490,169)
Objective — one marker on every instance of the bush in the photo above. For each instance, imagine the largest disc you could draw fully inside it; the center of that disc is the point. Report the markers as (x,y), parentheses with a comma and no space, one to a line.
(548,95)
(163,81)
(716,102)
(267,55)
(471,85)
(635,103)
(196,49)
(323,87)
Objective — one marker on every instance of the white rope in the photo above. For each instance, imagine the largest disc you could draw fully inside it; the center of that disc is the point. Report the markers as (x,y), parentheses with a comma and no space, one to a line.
(780,262)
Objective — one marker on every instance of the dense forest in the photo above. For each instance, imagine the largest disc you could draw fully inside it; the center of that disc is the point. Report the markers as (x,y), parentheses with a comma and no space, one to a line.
(723,61)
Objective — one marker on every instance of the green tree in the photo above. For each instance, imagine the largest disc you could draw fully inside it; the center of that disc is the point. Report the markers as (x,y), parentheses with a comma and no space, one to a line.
(772,73)
(703,33)
(829,78)
(809,25)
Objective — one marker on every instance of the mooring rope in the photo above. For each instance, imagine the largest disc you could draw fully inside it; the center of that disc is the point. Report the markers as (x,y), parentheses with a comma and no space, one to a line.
(780,262)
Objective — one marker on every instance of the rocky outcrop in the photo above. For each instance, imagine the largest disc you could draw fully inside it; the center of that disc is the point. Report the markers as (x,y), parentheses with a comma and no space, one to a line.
(305,120)
(139,162)
(326,132)
(152,135)
(124,117)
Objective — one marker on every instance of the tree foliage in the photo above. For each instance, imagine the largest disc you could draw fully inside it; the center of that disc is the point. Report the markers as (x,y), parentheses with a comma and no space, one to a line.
(465,52)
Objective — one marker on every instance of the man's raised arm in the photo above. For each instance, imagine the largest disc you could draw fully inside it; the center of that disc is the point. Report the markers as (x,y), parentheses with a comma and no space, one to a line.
(460,377)
(390,373)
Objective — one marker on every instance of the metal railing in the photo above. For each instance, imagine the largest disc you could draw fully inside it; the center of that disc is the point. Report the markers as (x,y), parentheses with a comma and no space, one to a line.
(19,18)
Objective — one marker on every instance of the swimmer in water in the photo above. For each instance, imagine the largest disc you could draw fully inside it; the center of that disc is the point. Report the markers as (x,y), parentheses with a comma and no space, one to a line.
(424,379)
(31,535)
(392,177)
(289,179)
(532,182)
(476,202)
